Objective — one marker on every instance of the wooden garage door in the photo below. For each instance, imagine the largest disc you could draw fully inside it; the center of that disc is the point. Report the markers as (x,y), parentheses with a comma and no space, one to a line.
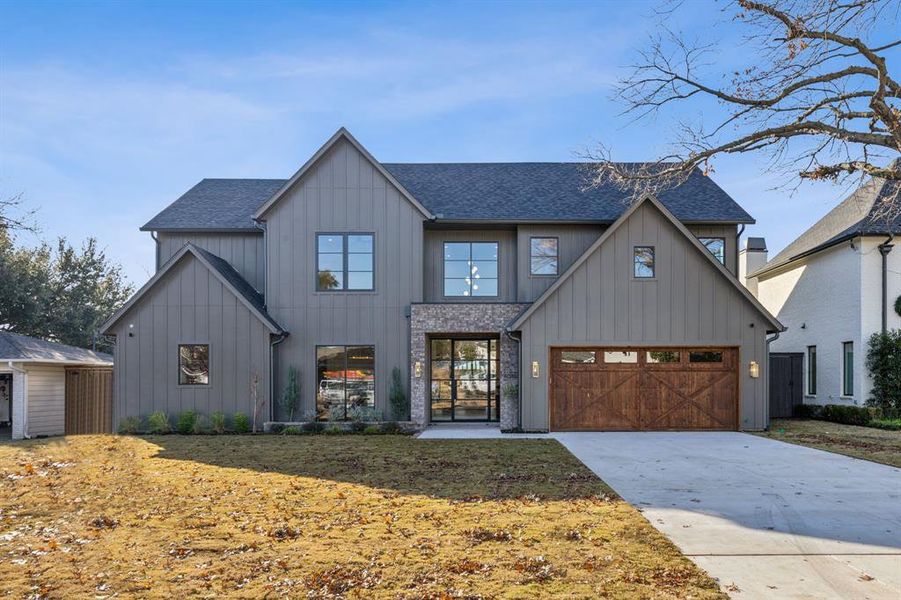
(621,389)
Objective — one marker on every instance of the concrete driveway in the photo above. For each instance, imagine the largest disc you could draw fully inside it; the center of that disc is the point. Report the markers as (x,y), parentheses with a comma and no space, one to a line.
(768,519)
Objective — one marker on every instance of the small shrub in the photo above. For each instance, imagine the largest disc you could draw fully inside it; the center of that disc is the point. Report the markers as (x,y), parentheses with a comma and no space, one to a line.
(241,423)
(372,430)
(289,399)
(313,427)
(336,413)
(292,430)
(849,415)
(201,425)
(333,430)
(357,427)
(390,427)
(186,421)
(129,425)
(158,422)
(884,365)
(807,411)
(364,413)
(217,422)
(888,424)
(397,397)
(277,428)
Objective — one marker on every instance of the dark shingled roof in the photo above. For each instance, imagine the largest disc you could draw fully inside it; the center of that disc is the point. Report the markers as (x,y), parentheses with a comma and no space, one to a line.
(465,191)
(241,286)
(216,204)
(547,192)
(15,347)
(857,215)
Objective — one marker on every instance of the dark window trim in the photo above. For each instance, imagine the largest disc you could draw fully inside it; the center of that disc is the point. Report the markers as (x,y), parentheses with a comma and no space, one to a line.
(847,375)
(375,399)
(209,365)
(493,402)
(811,370)
(557,256)
(714,237)
(444,264)
(653,275)
(344,258)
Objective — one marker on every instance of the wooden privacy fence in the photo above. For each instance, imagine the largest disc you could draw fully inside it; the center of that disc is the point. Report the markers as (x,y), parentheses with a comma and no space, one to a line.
(89,400)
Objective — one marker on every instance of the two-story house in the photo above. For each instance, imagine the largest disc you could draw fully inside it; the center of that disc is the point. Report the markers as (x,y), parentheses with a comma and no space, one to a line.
(504,292)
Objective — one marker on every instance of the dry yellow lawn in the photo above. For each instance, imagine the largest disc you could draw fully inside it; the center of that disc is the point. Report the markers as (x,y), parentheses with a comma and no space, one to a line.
(867,443)
(322,516)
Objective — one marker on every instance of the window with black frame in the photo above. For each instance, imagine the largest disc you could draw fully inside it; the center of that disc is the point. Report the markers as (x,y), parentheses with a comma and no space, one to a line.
(470,269)
(716,246)
(193,364)
(543,256)
(345,262)
(345,381)
(643,262)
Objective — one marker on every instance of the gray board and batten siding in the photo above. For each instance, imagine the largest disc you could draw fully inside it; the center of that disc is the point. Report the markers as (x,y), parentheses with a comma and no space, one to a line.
(342,192)
(189,304)
(688,303)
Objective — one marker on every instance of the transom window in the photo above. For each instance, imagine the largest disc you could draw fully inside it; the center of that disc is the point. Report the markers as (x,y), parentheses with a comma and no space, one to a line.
(345,380)
(344,261)
(717,247)
(543,255)
(193,364)
(643,262)
(470,269)
(848,369)
(620,357)
(663,356)
(705,356)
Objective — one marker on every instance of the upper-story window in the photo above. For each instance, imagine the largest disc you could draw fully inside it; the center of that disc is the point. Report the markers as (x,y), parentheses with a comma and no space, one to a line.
(643,262)
(717,247)
(543,255)
(470,269)
(344,261)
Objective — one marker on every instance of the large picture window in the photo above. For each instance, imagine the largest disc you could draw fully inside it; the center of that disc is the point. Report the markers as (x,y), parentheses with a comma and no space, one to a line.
(812,370)
(193,364)
(344,261)
(848,369)
(470,269)
(543,256)
(345,378)
(717,247)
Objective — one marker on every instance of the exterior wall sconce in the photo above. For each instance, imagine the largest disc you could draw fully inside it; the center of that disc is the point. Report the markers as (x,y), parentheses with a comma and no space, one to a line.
(754,369)
(536,369)
(417,369)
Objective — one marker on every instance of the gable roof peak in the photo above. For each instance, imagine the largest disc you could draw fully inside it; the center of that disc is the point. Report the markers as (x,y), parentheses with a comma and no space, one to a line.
(344,134)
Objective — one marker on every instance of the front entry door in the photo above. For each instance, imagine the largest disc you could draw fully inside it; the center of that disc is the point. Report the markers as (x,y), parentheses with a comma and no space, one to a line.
(464,380)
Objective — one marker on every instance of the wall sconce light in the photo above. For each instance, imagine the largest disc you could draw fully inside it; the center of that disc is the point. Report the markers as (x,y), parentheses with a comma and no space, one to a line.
(417,369)
(536,370)
(754,369)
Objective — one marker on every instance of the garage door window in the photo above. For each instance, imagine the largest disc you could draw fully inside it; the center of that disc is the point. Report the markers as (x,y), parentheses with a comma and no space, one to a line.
(573,357)
(620,357)
(705,357)
(663,356)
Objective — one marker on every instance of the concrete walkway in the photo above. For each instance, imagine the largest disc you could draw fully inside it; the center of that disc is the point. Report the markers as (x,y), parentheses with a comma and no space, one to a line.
(767,519)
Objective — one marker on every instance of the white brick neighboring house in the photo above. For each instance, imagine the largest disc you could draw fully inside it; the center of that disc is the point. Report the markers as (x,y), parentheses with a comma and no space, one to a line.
(827,288)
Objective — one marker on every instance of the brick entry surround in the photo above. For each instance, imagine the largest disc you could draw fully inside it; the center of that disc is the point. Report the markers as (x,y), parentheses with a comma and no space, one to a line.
(446,320)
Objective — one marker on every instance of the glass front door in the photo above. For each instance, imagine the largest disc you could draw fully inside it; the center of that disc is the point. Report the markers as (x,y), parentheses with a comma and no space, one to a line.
(464,380)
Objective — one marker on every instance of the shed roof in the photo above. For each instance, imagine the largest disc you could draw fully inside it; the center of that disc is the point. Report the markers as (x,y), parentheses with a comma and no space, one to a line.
(22,348)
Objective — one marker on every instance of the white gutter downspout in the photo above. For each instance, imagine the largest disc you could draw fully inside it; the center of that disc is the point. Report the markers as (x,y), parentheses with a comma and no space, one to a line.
(24,417)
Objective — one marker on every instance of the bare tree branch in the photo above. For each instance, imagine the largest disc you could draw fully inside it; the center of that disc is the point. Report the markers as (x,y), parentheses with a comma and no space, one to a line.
(817,96)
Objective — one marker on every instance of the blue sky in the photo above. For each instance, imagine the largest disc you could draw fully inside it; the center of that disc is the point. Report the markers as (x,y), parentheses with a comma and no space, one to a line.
(108,112)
